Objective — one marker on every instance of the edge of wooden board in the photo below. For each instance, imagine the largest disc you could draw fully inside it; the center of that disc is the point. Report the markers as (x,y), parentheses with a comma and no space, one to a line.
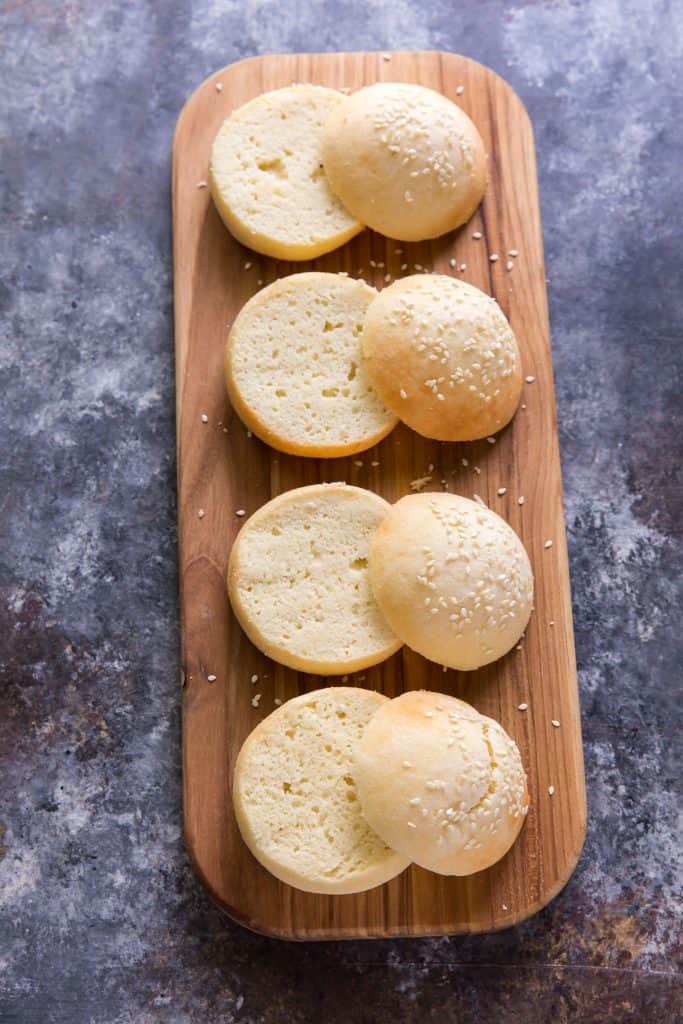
(267,928)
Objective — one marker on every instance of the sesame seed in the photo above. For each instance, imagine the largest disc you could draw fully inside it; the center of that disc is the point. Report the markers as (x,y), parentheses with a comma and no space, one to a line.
(240,512)
(205,418)
(375,463)
(201,184)
(398,252)
(504,906)
(255,700)
(404,266)
(491,440)
(248,265)
(277,702)
(386,56)
(345,679)
(551,790)
(509,265)
(452,263)
(493,257)
(211,678)
(414,801)
(464,462)
(523,405)
(522,707)
(260,282)
(521,499)
(387,278)
(548,544)
(219,87)
(552,622)
(407,764)
(460,90)
(502,491)
(411,824)
(201,513)
(477,470)
(513,252)
(357,462)
(463,266)
(530,380)
(402,393)
(254,678)
(555,724)
(477,234)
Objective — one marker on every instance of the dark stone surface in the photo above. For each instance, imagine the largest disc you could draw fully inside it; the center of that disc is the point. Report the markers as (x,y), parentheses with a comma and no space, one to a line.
(101,919)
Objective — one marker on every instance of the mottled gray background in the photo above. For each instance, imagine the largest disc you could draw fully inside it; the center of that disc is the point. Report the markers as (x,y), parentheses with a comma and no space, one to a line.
(101,919)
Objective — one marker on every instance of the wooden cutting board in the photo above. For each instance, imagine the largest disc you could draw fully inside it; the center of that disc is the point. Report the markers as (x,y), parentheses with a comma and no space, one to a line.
(221,470)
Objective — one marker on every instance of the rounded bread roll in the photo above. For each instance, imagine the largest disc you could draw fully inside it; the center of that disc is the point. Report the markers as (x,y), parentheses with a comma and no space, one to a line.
(267,180)
(295,798)
(451,578)
(441,355)
(295,371)
(441,784)
(298,580)
(405,160)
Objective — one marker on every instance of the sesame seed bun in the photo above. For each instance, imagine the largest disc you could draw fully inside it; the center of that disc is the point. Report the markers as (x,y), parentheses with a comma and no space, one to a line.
(442,356)
(299,584)
(295,797)
(404,160)
(441,784)
(295,371)
(267,180)
(451,578)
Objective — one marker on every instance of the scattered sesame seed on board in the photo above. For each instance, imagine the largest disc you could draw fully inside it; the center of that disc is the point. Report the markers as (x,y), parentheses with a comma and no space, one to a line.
(502,491)
(219,87)
(398,252)
(430,467)
(504,906)
(411,824)
(477,235)
(551,790)
(407,764)
(255,700)
(419,483)
(452,262)
(249,434)
(358,462)
(254,678)
(387,278)
(201,513)
(345,679)
(509,265)
(248,265)
(552,622)
(201,184)
(460,90)
(521,499)
(493,257)
(463,266)
(522,707)
(211,678)
(555,724)
(548,544)
(240,512)
(374,463)
(530,379)
(491,440)
(277,702)
(386,56)
(402,393)
(523,405)
(465,462)
(513,252)
(479,500)
(204,418)
(404,266)
(477,470)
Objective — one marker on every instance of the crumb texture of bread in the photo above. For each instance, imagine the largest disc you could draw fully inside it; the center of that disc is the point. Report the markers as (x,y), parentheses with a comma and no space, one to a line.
(267,179)
(452,579)
(295,370)
(299,584)
(441,355)
(295,797)
(405,160)
(440,783)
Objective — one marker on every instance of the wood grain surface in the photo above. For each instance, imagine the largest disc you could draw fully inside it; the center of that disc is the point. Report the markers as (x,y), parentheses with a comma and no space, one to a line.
(222,470)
